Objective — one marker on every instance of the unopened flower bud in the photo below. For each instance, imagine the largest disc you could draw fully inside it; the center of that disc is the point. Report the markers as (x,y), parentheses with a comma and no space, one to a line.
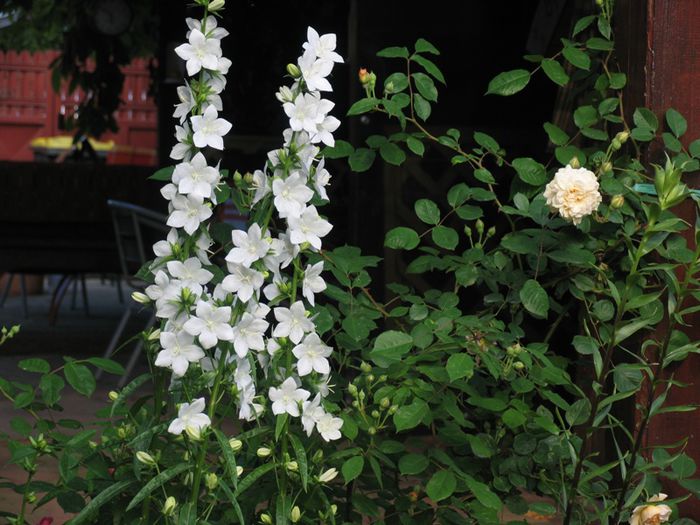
(92,444)
(295,515)
(385,402)
(292,466)
(490,232)
(389,88)
(479,227)
(113,396)
(617,201)
(216,5)
(370,378)
(328,475)
(352,389)
(393,409)
(140,297)
(371,431)
(169,506)
(235,444)
(363,75)
(514,350)
(616,144)
(145,458)
(239,471)
(154,335)
(248,178)
(606,167)
(318,456)
(193,433)
(382,378)
(622,136)
(31,497)
(375,414)
(211,480)
(575,163)
(293,70)
(263,452)
(334,509)
(362,395)
(519,365)
(468,231)
(265,518)
(365,367)
(285,95)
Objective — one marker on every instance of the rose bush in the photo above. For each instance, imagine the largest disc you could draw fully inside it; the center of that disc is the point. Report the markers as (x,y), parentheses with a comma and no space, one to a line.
(284,390)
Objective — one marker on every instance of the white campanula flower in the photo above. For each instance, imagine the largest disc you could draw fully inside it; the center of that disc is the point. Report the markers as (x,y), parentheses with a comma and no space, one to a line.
(188,213)
(291,194)
(313,282)
(314,71)
(300,142)
(190,272)
(200,52)
(259,310)
(272,291)
(211,324)
(285,94)
(283,253)
(312,356)
(242,281)
(166,293)
(307,112)
(209,129)
(186,105)
(183,149)
(261,185)
(190,416)
(248,334)
(292,322)
(311,412)
(196,177)
(202,246)
(324,131)
(249,247)
(211,28)
(169,191)
(178,352)
(651,514)
(308,227)
(287,397)
(323,46)
(573,193)
(165,248)
(329,427)
(321,179)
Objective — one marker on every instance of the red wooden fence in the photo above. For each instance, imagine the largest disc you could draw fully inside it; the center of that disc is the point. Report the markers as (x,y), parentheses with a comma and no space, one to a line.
(29,108)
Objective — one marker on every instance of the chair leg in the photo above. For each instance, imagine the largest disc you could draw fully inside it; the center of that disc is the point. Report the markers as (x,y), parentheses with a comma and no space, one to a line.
(115,338)
(74,295)
(86,307)
(135,355)
(6,292)
(120,292)
(58,294)
(23,289)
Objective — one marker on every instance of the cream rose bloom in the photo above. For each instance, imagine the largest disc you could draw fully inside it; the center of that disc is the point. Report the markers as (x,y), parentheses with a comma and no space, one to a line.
(573,193)
(651,514)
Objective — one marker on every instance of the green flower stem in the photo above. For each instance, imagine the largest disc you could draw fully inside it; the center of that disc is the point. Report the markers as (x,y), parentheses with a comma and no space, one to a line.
(596,397)
(652,385)
(25,495)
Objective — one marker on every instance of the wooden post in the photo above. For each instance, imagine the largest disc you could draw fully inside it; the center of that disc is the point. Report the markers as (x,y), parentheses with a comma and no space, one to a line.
(659,44)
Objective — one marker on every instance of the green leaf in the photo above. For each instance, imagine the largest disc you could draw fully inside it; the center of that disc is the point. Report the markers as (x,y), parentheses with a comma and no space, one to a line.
(156,482)
(694,148)
(577,57)
(645,119)
(578,412)
(80,378)
(352,468)
(484,175)
(51,386)
(412,464)
(508,83)
(401,238)
(247,482)
(363,106)
(423,46)
(410,416)
(303,463)
(390,347)
(555,71)
(631,328)
(426,86)
(361,159)
(530,171)
(421,106)
(430,67)
(585,345)
(108,365)
(392,154)
(40,366)
(232,501)
(125,392)
(585,116)
(583,23)
(513,418)
(458,194)
(87,513)
(398,81)
(415,145)
(535,299)
(393,52)
(618,80)
(340,150)
(427,211)
(441,486)
(556,135)
(445,237)
(483,493)
(459,366)
(486,141)
(676,122)
(163,174)
(599,44)
(229,457)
